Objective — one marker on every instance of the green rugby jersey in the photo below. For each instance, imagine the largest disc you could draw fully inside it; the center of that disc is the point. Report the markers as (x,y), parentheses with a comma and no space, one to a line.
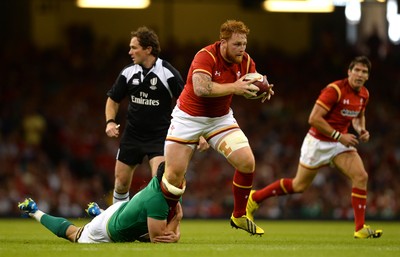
(129,222)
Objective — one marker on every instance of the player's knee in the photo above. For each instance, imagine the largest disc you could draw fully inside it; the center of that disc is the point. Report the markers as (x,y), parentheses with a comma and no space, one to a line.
(245,166)
(299,187)
(361,178)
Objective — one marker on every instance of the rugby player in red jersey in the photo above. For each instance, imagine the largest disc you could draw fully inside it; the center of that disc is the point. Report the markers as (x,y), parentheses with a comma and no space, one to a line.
(340,104)
(203,109)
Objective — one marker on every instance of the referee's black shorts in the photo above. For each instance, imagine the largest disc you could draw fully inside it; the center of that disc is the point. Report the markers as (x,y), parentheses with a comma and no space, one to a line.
(132,150)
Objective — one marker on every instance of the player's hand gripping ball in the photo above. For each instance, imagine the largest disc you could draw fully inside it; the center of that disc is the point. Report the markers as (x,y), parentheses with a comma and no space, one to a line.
(265,89)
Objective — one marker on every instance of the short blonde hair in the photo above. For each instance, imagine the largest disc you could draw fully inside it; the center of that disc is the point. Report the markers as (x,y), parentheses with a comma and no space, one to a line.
(231,27)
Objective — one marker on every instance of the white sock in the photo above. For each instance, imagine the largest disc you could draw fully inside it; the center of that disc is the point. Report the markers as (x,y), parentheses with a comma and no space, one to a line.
(37,215)
(120,197)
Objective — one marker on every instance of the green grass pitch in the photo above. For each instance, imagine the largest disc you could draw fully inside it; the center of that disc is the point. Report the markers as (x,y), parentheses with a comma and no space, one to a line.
(209,238)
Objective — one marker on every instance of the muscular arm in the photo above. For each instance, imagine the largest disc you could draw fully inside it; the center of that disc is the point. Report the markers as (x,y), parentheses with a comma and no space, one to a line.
(156,228)
(173,224)
(111,111)
(204,87)
(161,232)
(318,121)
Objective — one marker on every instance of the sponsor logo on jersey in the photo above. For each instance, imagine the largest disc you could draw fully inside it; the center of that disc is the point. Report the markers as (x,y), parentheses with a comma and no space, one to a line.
(144,100)
(349,113)
(217,73)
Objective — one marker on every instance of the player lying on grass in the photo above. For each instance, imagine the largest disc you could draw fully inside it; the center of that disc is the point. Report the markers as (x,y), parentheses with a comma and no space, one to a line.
(143,218)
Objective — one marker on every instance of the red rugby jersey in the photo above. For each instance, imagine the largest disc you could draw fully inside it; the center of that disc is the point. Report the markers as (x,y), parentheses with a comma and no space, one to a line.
(343,105)
(209,61)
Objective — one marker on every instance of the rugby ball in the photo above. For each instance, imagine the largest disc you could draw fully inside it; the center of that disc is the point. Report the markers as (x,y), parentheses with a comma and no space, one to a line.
(261,83)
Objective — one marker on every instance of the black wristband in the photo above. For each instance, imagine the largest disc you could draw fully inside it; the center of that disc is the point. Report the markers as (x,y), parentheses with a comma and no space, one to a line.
(110,120)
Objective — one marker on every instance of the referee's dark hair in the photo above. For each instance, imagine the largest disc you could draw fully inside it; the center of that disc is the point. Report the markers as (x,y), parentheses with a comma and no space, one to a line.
(147,38)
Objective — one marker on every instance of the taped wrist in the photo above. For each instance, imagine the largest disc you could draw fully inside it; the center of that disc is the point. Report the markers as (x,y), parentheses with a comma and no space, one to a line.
(336,135)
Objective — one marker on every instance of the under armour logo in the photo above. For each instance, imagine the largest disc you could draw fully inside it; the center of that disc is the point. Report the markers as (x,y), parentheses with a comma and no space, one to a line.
(217,73)
(346,101)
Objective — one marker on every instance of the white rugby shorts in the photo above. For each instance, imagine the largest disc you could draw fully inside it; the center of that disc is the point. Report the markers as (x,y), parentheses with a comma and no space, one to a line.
(96,230)
(187,128)
(316,153)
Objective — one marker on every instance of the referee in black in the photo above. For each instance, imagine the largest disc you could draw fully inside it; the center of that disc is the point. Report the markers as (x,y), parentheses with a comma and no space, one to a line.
(152,86)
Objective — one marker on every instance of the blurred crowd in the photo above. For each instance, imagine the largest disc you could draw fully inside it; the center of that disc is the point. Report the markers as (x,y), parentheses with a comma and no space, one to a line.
(53,147)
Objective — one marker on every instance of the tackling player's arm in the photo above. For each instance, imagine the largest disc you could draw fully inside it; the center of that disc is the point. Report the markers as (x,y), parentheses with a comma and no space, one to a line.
(156,228)
(203,86)
(161,232)
(172,232)
(203,144)
(111,110)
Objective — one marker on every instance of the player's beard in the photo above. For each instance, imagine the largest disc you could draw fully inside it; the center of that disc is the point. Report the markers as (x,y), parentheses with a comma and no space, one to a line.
(233,58)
